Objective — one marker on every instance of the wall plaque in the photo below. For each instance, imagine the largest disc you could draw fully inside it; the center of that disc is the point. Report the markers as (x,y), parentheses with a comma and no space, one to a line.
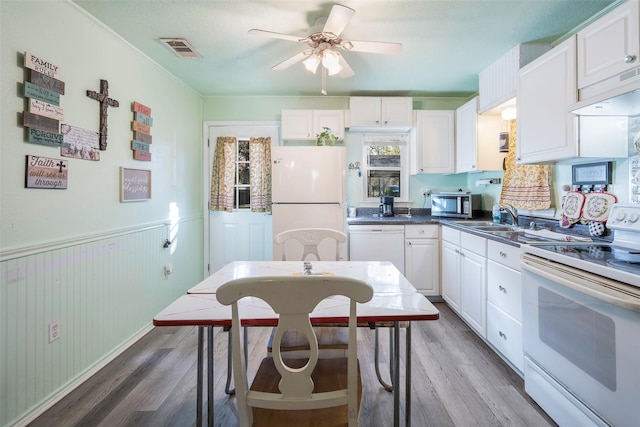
(135,185)
(43,172)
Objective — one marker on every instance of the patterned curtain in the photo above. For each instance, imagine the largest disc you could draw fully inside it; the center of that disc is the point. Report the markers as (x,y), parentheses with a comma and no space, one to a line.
(223,175)
(260,174)
(525,186)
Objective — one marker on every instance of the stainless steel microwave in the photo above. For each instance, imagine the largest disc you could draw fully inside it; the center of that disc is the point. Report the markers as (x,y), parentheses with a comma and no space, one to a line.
(456,205)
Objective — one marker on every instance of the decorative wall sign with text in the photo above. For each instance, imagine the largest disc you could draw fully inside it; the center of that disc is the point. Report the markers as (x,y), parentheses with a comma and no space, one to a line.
(42,90)
(105,102)
(141,127)
(43,172)
(79,143)
(135,185)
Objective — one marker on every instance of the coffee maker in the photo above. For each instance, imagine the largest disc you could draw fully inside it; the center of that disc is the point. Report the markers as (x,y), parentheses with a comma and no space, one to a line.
(386,205)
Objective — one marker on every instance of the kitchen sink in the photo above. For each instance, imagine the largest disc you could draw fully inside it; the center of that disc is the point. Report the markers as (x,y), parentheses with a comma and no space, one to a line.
(491,228)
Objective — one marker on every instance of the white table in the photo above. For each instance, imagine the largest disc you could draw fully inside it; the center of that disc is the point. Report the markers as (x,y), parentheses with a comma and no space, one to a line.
(394,301)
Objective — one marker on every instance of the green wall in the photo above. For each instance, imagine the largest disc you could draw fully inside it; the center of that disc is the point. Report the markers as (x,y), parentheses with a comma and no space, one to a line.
(79,256)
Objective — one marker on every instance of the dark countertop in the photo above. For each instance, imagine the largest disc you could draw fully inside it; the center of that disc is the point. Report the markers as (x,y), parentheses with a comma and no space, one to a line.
(392,220)
(510,238)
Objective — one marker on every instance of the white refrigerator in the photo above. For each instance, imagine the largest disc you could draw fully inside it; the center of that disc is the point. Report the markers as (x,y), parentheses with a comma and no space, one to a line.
(308,190)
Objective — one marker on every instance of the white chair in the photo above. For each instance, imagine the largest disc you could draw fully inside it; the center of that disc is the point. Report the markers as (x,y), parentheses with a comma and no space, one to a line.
(332,341)
(296,392)
(310,239)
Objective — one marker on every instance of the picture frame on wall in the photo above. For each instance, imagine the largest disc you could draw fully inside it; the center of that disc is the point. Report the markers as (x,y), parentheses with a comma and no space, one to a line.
(135,185)
(592,173)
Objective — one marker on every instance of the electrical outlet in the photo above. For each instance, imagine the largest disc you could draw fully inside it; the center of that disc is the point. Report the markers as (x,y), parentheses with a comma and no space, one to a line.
(54,331)
(426,192)
(168,269)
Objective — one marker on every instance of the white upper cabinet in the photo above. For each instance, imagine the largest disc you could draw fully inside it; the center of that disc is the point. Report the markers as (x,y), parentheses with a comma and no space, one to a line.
(498,81)
(546,88)
(306,124)
(609,46)
(435,141)
(477,139)
(380,112)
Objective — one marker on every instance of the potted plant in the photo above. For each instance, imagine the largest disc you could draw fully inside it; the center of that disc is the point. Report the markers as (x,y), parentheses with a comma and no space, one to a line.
(326,137)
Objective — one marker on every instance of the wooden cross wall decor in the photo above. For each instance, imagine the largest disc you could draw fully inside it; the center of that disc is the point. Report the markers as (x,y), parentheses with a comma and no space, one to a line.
(103,98)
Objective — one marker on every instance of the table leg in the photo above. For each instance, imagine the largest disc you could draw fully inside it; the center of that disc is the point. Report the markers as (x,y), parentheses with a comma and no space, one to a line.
(227,387)
(407,363)
(199,377)
(396,374)
(376,356)
(210,376)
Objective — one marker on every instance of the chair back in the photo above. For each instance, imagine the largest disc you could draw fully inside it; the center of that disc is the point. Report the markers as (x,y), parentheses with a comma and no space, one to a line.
(310,239)
(293,298)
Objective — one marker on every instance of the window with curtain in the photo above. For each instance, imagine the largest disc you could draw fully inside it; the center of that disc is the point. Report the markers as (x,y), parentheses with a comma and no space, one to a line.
(241,174)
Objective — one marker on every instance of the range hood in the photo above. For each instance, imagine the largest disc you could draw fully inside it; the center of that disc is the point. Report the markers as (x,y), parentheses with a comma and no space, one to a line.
(617,96)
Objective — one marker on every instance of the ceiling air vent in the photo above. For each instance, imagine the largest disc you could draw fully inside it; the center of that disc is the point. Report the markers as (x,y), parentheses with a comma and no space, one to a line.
(181,47)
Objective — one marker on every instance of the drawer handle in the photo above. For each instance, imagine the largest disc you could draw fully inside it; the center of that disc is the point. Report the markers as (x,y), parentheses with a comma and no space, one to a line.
(502,289)
(503,335)
(629,59)
(503,254)
(408,243)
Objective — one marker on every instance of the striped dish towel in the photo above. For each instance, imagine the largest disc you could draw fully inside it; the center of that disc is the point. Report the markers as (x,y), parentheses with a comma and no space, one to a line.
(524,186)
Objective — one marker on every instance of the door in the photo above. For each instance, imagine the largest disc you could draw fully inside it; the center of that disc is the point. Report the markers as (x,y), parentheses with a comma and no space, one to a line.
(450,274)
(473,293)
(240,235)
(422,265)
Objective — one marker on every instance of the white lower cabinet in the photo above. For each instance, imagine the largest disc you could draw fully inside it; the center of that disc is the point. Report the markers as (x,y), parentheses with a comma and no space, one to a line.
(464,268)
(504,302)
(450,263)
(422,258)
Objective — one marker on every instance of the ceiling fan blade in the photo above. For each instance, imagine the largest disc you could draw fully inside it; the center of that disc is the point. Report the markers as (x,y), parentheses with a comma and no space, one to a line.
(338,19)
(294,59)
(277,35)
(371,47)
(346,69)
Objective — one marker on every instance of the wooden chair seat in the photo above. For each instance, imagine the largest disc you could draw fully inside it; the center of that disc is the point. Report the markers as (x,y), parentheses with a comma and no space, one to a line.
(328,375)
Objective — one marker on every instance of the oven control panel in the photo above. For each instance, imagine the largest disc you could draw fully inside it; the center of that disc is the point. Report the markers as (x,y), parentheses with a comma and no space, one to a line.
(624,217)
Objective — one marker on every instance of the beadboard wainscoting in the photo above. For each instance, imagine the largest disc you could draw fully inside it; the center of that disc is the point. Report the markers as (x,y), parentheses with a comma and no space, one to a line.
(101,290)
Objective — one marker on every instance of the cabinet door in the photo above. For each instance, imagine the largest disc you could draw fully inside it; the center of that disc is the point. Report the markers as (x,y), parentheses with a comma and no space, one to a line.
(364,111)
(435,141)
(396,112)
(547,86)
(466,137)
(609,46)
(473,290)
(333,119)
(422,265)
(297,124)
(450,256)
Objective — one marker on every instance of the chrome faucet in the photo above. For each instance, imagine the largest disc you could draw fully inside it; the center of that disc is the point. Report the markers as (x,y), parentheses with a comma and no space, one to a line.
(511,211)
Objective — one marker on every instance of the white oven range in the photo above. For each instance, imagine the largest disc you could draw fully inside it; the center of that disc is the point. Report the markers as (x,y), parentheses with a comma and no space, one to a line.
(581,326)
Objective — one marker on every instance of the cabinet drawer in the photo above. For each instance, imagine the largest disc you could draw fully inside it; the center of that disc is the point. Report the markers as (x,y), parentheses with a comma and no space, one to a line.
(421,231)
(473,243)
(451,235)
(504,254)
(506,335)
(504,289)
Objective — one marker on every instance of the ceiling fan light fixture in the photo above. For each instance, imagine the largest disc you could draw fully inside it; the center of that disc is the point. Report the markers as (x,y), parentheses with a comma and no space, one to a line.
(331,61)
(312,62)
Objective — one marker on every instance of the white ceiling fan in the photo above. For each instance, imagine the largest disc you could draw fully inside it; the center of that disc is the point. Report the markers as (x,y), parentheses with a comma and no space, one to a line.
(323,42)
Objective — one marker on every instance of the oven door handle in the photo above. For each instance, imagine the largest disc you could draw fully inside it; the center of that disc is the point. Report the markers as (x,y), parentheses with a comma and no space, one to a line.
(598,287)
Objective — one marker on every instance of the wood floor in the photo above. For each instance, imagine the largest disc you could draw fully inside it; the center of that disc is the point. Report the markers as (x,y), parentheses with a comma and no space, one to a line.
(456,381)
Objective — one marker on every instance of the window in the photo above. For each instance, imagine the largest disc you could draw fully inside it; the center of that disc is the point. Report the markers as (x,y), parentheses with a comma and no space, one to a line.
(241,174)
(241,187)
(386,168)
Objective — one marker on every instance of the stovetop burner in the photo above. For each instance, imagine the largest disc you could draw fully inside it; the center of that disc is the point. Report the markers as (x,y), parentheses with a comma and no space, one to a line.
(619,260)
